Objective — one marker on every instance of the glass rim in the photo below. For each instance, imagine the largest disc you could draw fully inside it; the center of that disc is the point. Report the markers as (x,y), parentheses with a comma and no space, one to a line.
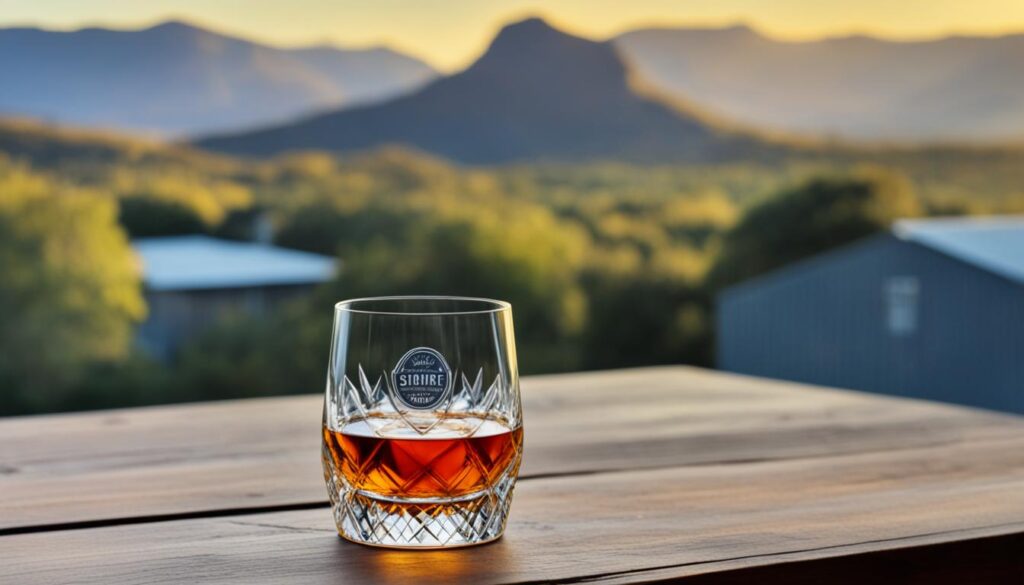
(494,305)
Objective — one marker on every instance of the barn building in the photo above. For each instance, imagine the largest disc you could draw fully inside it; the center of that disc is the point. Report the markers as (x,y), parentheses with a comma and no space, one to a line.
(191,282)
(932,309)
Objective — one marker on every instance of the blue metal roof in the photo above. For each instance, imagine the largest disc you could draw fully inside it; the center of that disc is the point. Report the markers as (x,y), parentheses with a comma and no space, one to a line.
(995,244)
(201,262)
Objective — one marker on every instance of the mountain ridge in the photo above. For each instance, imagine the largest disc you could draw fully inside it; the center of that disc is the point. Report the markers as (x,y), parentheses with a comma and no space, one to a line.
(537,93)
(746,28)
(189,80)
(175,78)
(858,87)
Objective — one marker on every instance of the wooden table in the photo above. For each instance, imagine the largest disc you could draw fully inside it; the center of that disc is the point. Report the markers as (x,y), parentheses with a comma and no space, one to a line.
(648,475)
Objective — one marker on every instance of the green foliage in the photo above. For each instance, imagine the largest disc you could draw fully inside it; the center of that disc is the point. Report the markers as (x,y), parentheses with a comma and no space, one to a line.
(133,380)
(644,319)
(145,217)
(69,291)
(242,357)
(605,264)
(816,216)
(525,258)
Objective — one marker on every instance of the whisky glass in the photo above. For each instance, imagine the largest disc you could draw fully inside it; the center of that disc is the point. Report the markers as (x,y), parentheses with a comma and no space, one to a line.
(422,425)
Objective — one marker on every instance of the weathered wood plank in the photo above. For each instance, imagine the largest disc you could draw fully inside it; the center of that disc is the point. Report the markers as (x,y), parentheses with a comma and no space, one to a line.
(977,558)
(614,527)
(258,454)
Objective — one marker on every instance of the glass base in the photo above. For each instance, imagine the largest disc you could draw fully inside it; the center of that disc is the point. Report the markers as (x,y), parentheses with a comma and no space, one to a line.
(392,522)
(420,523)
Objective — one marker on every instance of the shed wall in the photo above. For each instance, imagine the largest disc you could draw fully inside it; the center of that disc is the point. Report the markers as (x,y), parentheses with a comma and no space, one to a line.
(827,321)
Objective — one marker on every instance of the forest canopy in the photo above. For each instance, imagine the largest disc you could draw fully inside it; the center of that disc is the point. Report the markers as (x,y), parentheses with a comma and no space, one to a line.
(607,265)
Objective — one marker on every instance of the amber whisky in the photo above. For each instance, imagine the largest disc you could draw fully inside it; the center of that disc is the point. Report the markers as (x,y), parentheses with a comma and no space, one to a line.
(459,457)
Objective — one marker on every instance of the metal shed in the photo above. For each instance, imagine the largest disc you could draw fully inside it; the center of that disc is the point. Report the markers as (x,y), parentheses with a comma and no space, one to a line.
(191,282)
(933,309)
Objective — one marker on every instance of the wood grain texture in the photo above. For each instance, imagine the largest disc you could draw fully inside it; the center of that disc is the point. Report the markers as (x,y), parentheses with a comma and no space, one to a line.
(976,559)
(628,526)
(264,454)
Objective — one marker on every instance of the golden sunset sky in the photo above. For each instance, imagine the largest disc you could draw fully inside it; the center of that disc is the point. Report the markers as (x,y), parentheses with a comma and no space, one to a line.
(450,33)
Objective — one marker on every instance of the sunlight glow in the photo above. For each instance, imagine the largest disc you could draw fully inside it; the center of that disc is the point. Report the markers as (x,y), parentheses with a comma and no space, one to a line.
(450,33)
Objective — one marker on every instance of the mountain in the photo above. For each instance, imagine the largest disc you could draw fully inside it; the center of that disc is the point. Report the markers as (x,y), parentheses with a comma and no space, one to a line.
(953,88)
(177,79)
(72,150)
(536,94)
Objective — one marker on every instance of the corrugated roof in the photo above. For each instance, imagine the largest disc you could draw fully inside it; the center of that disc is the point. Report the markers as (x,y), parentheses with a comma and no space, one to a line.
(995,244)
(202,262)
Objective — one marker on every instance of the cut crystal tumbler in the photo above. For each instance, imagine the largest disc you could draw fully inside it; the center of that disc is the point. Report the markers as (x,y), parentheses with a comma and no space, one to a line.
(422,426)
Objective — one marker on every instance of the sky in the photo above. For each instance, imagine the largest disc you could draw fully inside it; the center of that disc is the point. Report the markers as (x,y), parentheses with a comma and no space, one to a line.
(451,33)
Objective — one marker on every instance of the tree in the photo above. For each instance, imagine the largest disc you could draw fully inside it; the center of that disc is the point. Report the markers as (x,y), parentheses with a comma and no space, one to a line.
(644,319)
(527,258)
(145,217)
(69,292)
(241,356)
(821,214)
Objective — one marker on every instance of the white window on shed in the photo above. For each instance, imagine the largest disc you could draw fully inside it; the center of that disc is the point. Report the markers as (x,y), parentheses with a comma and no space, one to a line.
(901,299)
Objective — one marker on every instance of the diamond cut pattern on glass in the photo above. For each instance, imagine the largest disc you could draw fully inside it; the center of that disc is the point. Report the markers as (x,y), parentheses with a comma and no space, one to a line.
(366,399)
(364,518)
(436,478)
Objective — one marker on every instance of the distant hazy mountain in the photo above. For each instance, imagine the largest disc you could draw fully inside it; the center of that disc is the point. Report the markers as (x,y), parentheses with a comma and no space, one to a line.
(177,79)
(536,94)
(861,87)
